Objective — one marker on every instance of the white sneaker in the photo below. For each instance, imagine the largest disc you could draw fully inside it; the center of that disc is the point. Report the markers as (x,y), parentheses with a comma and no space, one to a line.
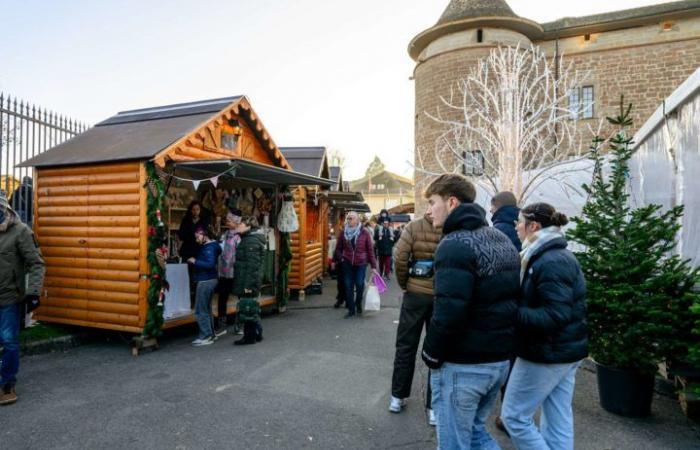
(203,341)
(431,418)
(396,404)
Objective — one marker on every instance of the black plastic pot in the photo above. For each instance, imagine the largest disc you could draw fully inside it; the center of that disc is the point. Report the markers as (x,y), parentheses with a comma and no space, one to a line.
(625,392)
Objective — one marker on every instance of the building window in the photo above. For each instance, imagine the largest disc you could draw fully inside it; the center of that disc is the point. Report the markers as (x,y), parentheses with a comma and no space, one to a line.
(479,35)
(472,163)
(581,102)
(587,96)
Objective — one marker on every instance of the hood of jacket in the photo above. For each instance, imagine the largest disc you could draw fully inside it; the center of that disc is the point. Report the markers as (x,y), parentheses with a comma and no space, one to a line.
(506,214)
(467,216)
(10,219)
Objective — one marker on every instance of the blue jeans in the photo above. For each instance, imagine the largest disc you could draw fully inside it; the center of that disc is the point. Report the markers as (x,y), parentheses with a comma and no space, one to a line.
(550,386)
(463,397)
(354,279)
(202,307)
(9,339)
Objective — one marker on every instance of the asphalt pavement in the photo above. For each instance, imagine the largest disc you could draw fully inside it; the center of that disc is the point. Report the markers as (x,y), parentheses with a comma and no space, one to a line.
(316,381)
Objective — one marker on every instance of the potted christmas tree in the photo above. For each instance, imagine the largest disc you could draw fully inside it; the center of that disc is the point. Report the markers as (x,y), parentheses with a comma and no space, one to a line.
(638,289)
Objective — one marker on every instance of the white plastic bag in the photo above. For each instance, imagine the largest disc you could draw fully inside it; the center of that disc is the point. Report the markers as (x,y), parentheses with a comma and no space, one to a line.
(372,298)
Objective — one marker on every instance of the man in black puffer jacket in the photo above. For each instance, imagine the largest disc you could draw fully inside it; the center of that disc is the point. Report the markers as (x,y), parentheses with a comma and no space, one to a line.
(471,336)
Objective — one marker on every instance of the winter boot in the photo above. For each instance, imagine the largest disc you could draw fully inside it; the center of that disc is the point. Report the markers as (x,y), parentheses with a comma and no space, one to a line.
(7,394)
(248,334)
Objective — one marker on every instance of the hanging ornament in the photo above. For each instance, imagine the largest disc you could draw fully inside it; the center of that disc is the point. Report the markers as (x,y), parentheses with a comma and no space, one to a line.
(161,297)
(151,231)
(160,218)
(152,186)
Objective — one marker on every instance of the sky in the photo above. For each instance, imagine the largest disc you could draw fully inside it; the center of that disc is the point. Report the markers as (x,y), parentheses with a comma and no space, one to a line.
(318,72)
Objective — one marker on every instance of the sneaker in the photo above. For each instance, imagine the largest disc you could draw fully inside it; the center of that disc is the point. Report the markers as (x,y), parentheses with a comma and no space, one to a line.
(219,331)
(8,395)
(431,417)
(396,404)
(199,342)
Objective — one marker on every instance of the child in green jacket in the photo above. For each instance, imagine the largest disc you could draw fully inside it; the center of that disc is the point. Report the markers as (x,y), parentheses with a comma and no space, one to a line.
(248,269)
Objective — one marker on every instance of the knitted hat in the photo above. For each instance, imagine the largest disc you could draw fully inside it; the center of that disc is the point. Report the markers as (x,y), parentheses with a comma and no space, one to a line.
(4,205)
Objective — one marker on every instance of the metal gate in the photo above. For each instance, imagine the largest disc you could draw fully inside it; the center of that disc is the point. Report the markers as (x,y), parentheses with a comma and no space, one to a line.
(26,131)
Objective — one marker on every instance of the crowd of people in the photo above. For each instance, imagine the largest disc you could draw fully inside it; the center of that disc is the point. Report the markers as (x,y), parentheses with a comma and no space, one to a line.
(504,310)
(503,306)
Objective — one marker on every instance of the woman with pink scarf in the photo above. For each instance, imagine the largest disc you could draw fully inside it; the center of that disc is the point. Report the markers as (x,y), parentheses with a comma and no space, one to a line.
(230,239)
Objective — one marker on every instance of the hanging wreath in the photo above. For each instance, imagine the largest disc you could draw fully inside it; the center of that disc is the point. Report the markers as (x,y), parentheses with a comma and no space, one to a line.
(156,252)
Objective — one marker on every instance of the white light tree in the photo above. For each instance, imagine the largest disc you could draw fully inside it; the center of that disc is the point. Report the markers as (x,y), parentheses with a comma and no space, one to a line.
(509,123)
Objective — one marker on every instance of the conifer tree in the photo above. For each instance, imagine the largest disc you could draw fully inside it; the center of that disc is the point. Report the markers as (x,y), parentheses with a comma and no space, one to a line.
(639,292)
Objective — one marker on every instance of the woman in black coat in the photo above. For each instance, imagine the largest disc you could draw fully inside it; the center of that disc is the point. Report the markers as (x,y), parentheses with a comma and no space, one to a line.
(196,218)
(552,334)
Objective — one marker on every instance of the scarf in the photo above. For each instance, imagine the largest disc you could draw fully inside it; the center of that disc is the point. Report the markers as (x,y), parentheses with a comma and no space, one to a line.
(534,243)
(351,233)
(228,255)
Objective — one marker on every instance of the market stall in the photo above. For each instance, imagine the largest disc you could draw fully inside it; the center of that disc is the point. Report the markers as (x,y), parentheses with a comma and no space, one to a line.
(108,201)
(310,243)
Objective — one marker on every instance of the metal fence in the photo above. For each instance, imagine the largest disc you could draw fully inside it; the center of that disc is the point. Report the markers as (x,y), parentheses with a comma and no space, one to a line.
(26,131)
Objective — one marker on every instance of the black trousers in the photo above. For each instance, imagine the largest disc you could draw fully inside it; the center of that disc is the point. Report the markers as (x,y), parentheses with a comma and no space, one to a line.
(416,311)
(224,289)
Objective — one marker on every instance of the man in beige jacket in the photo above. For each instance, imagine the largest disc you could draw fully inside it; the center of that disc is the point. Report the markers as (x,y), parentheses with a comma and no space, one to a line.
(415,249)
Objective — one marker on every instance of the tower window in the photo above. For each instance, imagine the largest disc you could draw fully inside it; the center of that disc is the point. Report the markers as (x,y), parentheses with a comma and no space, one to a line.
(472,162)
(581,102)
(480,35)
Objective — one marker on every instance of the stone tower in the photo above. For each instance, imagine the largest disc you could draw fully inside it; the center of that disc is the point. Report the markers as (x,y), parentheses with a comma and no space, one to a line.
(466,32)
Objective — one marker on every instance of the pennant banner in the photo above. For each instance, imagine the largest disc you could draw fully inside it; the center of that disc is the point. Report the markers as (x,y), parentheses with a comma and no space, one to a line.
(214,181)
(196,184)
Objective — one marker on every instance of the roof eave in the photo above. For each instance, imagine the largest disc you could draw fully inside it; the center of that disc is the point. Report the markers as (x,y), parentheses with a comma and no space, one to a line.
(529,28)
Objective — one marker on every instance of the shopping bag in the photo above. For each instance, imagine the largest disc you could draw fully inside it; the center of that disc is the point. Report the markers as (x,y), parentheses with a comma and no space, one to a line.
(372,299)
(378,281)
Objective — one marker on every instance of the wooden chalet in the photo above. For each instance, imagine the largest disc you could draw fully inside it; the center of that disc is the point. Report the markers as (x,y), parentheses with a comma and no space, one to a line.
(310,243)
(91,203)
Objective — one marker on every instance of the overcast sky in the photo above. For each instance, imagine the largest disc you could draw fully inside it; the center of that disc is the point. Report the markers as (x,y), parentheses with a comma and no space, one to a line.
(318,72)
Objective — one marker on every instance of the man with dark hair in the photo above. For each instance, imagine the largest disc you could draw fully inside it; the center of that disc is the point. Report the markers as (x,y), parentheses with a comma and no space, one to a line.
(504,210)
(472,331)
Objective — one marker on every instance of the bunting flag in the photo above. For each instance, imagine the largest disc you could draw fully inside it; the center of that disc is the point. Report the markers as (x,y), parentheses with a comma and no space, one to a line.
(196,184)
(214,181)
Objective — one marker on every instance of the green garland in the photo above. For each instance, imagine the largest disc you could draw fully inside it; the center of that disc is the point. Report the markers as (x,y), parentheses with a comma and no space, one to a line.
(156,239)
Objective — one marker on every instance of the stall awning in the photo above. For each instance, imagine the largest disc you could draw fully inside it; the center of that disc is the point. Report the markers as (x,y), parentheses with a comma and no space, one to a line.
(352,206)
(247,170)
(344,196)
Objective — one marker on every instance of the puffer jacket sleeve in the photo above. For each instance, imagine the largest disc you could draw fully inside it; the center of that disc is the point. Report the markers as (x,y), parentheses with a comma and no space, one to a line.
(402,254)
(455,279)
(207,257)
(554,287)
(33,261)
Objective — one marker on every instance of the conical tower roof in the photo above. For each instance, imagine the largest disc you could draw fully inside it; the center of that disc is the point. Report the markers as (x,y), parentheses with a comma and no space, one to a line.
(472,9)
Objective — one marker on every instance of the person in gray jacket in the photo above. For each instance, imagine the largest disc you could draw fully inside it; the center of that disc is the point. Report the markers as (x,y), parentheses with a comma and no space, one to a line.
(19,257)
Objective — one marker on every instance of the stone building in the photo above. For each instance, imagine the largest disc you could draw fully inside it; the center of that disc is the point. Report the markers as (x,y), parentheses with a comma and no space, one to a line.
(382,189)
(643,53)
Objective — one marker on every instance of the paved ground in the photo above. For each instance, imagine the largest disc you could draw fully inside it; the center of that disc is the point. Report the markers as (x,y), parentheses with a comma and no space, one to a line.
(316,381)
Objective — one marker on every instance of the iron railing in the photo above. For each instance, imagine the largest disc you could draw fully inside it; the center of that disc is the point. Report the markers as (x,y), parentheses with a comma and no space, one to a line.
(26,131)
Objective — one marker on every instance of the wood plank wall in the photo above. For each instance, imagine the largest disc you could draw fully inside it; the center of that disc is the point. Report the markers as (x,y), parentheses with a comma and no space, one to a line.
(88,224)
(307,251)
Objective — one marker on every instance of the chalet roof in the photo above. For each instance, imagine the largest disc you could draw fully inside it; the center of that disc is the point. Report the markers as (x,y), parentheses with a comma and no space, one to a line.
(384,174)
(471,9)
(335,173)
(308,160)
(139,134)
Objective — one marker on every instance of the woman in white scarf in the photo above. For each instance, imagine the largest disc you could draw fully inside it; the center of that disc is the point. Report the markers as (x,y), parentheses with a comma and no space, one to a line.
(552,334)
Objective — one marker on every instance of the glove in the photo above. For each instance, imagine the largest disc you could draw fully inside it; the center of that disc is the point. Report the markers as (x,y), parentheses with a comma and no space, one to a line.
(32,302)
(431,362)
